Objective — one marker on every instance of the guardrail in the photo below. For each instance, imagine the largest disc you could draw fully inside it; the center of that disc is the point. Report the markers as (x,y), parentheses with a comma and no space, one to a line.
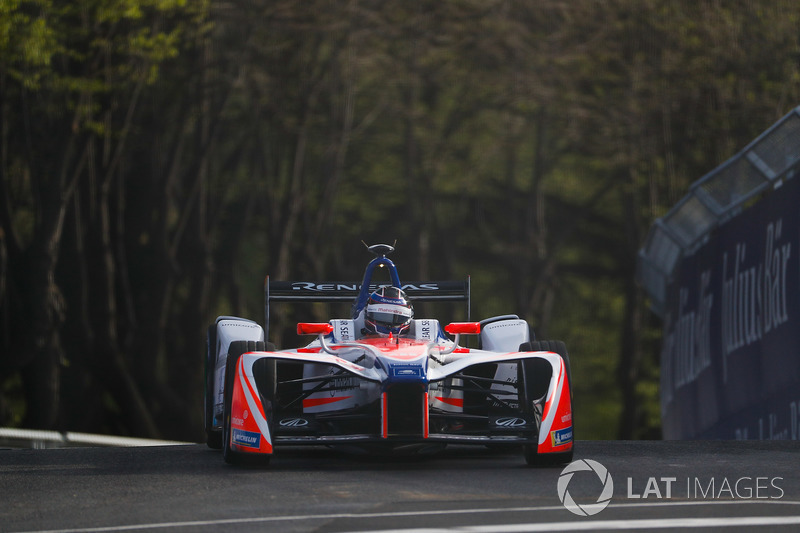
(713,199)
(41,439)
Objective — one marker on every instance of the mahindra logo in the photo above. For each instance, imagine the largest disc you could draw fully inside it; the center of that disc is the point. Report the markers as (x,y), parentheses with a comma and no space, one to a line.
(509,422)
(294,422)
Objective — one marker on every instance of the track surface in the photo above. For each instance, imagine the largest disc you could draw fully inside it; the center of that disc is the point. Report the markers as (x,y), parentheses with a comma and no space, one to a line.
(656,486)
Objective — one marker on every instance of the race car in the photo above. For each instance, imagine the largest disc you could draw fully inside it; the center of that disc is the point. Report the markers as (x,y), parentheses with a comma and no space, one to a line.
(383,380)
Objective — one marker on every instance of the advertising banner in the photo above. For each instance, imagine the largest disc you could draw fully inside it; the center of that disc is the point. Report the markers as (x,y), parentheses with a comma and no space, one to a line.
(730,361)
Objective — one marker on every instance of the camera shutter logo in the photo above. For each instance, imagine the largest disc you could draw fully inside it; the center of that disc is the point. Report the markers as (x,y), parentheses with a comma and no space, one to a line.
(603,500)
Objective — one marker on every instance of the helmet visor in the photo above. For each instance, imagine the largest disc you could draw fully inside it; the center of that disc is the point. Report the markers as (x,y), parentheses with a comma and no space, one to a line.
(389,315)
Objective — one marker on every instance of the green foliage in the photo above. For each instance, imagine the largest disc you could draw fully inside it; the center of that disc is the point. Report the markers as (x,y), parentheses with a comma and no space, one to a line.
(27,42)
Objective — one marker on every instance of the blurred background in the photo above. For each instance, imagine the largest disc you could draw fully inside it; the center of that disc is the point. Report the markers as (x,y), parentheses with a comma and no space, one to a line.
(159,158)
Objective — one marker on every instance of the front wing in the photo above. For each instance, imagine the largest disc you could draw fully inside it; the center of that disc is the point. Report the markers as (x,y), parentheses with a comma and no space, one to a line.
(277,398)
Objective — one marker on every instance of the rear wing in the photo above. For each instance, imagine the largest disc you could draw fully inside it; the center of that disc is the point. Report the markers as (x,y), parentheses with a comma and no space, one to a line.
(349,291)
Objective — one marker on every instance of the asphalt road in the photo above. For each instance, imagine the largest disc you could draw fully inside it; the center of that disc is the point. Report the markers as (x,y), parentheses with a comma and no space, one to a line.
(656,485)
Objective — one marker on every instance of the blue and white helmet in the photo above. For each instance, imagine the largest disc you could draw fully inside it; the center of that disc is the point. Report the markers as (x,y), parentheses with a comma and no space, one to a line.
(388,311)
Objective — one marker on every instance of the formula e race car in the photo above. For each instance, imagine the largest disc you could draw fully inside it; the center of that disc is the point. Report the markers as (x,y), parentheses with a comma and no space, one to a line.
(384,381)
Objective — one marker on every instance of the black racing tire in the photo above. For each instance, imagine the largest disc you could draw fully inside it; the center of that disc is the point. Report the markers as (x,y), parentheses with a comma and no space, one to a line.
(558,347)
(235,351)
(532,458)
(213,435)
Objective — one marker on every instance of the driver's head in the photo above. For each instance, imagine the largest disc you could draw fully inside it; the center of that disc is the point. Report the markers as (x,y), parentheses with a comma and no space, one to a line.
(388,311)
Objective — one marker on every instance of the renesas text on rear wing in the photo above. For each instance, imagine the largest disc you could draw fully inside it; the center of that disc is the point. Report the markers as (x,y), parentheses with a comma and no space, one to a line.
(351,291)
(343,291)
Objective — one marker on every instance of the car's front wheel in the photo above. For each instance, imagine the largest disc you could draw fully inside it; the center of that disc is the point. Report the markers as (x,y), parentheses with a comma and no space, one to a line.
(533,458)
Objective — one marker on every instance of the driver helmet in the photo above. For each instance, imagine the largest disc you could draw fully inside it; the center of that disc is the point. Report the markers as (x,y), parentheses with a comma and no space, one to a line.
(388,311)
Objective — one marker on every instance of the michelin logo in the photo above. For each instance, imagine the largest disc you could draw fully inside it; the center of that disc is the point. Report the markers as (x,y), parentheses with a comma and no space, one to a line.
(561,436)
(246,438)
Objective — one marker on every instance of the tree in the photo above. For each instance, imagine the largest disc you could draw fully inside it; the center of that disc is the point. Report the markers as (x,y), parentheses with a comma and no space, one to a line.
(70,85)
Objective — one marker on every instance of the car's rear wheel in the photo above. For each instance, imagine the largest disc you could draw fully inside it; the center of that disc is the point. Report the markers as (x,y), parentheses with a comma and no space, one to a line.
(235,351)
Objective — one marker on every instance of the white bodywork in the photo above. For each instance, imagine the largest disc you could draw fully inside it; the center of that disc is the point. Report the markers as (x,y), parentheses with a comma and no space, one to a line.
(352,392)
(230,329)
(505,335)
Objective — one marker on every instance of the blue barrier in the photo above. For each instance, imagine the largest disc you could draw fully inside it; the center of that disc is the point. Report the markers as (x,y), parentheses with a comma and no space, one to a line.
(730,361)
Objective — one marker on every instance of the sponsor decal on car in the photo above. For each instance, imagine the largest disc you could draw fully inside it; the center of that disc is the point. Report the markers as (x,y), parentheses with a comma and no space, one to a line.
(338,385)
(327,287)
(239,421)
(238,324)
(343,330)
(293,422)
(561,436)
(510,422)
(425,329)
(389,309)
(406,371)
(247,439)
